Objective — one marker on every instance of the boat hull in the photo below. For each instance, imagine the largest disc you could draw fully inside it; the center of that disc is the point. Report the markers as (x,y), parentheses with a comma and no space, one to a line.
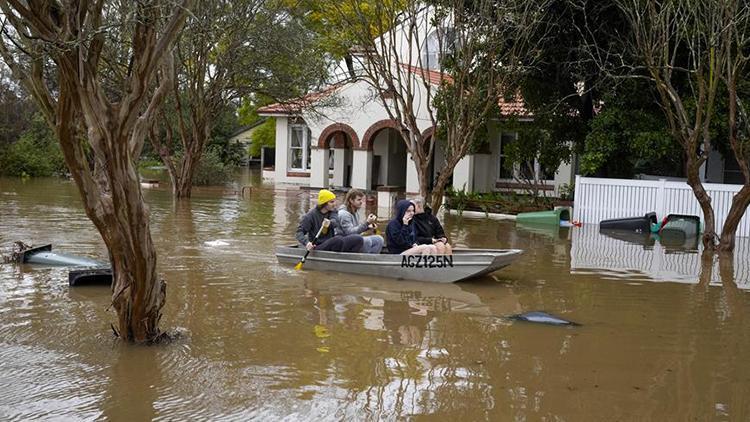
(462,265)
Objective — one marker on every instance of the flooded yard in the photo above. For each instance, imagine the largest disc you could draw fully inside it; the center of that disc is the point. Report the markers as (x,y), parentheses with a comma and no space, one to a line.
(663,333)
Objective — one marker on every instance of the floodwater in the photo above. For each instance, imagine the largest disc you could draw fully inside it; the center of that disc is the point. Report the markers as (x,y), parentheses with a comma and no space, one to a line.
(663,335)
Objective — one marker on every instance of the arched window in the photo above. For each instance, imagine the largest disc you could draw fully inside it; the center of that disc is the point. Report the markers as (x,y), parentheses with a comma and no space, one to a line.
(431,54)
(440,39)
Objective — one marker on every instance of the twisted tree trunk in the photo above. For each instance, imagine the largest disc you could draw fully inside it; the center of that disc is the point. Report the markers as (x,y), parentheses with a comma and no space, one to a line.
(101,133)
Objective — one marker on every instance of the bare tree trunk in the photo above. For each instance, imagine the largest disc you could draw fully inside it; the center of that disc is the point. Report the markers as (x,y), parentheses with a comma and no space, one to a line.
(424,181)
(438,190)
(704,200)
(80,111)
(742,198)
(740,202)
(122,218)
(195,146)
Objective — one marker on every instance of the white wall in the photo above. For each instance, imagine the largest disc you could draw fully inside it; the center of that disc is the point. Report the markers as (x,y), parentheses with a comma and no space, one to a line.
(484,176)
(282,154)
(357,105)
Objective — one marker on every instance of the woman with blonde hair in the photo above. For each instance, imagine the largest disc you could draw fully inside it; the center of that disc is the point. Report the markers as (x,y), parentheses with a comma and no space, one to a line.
(348,222)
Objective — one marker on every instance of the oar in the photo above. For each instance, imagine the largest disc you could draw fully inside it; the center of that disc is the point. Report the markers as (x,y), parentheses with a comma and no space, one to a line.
(323,227)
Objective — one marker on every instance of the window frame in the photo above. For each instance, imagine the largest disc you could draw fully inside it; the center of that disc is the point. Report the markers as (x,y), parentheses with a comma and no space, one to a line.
(305,148)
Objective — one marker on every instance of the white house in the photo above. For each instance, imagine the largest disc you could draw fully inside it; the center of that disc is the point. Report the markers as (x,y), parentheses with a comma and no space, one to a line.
(244,136)
(354,143)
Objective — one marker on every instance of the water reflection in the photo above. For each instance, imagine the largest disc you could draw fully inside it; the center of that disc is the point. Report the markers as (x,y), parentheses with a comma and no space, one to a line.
(625,255)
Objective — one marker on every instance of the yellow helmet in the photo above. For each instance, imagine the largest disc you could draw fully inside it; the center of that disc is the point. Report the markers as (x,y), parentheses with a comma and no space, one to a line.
(325,196)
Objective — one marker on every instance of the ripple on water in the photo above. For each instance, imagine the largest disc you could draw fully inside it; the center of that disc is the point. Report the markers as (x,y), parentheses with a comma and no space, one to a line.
(39,383)
(270,343)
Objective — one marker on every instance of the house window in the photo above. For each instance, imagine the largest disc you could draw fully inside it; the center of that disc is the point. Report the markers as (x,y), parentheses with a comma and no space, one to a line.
(299,148)
(432,53)
(529,170)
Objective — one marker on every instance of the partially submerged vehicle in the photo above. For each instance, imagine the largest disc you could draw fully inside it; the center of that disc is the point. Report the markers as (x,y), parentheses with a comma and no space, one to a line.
(462,265)
(43,255)
(85,271)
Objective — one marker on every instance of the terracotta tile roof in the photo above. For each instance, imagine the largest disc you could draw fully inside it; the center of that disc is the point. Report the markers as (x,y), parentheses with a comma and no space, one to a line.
(509,107)
(432,76)
(296,105)
(514,107)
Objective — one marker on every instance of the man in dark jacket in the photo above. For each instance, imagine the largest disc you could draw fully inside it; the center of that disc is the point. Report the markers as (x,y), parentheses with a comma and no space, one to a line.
(312,226)
(428,229)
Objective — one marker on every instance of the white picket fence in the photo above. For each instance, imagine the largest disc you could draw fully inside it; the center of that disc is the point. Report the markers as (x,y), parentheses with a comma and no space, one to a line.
(601,199)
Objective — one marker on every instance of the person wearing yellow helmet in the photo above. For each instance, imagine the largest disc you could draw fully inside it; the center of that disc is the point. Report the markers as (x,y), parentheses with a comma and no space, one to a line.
(312,233)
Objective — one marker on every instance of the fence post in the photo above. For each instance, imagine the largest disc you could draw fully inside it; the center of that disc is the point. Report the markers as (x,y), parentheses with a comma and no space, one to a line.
(576,197)
(660,198)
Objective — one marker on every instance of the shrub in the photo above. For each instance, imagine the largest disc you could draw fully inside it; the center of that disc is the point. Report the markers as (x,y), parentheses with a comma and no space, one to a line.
(35,154)
(211,170)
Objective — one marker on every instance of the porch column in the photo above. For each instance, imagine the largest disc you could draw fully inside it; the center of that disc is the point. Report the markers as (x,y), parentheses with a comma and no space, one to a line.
(319,168)
(282,152)
(339,167)
(412,180)
(463,174)
(563,176)
(361,169)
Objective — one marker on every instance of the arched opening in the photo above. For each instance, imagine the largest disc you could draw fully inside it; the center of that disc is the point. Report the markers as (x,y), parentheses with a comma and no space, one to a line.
(388,158)
(339,140)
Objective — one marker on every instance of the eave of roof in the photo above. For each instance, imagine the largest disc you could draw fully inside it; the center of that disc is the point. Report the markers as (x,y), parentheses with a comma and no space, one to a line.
(295,106)
(248,127)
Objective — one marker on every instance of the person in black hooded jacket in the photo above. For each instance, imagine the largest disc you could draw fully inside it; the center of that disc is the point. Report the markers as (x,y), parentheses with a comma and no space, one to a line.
(401,235)
(428,229)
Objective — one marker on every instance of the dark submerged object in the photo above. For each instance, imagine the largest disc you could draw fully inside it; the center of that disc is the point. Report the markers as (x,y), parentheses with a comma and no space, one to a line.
(633,224)
(90,277)
(541,317)
(636,238)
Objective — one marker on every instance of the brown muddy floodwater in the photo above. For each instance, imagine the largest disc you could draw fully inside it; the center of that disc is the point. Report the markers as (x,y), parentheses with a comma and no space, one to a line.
(662,336)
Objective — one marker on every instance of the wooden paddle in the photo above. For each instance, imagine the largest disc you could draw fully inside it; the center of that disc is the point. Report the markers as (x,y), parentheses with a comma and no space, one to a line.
(323,229)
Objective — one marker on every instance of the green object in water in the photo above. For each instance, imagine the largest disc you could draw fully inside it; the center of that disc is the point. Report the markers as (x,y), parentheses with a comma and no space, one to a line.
(681,227)
(551,218)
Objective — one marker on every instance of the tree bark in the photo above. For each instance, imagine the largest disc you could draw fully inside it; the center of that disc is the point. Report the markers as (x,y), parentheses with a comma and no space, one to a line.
(740,202)
(438,190)
(704,200)
(80,111)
